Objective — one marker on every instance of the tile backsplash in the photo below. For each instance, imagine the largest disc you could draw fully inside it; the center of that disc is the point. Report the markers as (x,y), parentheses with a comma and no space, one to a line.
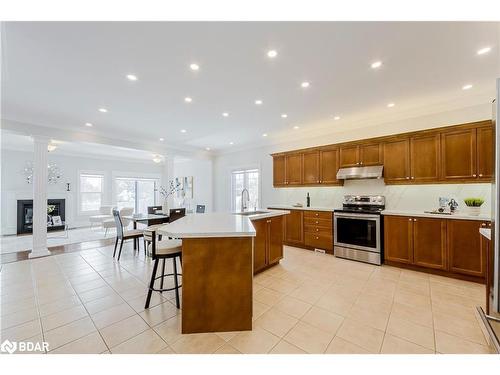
(398,197)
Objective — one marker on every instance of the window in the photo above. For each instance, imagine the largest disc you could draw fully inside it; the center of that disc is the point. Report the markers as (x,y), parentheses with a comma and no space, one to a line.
(245,179)
(138,193)
(91,190)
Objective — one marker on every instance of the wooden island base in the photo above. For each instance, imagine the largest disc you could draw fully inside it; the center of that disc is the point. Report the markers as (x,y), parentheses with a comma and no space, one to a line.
(217,284)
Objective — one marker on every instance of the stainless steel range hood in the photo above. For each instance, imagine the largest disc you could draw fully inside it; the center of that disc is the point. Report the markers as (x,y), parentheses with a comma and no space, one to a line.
(360,173)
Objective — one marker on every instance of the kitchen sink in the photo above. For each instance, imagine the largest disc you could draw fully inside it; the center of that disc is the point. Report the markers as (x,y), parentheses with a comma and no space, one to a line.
(248,213)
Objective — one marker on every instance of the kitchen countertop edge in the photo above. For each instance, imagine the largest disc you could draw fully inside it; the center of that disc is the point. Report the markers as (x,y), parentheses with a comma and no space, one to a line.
(290,207)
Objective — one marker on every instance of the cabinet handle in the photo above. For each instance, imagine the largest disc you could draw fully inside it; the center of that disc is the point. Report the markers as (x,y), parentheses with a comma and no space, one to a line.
(489,225)
(317,222)
(480,175)
(407,177)
(317,230)
(269,221)
(317,237)
(414,219)
(412,177)
(361,163)
(409,219)
(473,175)
(483,224)
(316,214)
(318,181)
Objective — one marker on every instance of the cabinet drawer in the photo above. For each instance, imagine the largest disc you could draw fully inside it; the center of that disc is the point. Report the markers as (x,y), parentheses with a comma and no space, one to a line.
(319,241)
(314,229)
(318,215)
(318,222)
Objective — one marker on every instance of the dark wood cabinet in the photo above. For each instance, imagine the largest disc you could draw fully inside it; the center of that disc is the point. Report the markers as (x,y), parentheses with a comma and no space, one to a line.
(466,255)
(397,160)
(293,167)
(370,154)
(311,168)
(425,158)
(294,233)
(268,242)
(349,156)
(329,166)
(429,242)
(398,239)
(279,172)
(458,154)
(485,152)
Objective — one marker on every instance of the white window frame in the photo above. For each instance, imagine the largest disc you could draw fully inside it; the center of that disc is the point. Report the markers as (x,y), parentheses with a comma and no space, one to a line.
(79,189)
(138,176)
(244,168)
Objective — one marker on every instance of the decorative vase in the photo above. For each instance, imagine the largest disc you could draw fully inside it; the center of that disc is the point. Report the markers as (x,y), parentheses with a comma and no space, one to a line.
(474,210)
(165,206)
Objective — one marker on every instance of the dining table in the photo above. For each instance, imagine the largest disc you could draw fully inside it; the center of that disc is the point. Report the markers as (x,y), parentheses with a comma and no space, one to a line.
(147,219)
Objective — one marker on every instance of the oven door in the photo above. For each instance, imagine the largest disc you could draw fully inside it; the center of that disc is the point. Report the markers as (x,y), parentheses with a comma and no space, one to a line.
(357,231)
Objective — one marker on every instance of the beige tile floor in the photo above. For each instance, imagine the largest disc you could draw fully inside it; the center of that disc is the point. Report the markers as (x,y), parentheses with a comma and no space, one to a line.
(311,303)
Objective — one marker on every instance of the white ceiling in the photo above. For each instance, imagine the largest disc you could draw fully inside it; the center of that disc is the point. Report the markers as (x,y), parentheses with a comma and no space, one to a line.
(58,74)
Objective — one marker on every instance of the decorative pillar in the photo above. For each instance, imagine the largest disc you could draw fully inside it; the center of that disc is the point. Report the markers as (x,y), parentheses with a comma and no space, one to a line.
(40,198)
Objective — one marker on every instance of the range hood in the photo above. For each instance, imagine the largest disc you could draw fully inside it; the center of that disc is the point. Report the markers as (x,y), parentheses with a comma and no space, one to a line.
(360,173)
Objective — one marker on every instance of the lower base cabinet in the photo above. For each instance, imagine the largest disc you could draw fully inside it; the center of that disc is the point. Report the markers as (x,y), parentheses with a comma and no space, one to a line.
(449,247)
(268,243)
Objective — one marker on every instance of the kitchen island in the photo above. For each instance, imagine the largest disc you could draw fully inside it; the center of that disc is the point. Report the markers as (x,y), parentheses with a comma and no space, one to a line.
(217,269)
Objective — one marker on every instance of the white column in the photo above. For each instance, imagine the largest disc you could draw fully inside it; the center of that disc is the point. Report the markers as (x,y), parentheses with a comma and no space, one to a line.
(40,198)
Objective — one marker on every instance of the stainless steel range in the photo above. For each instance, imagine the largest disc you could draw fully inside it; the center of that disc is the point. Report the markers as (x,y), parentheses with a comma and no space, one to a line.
(357,228)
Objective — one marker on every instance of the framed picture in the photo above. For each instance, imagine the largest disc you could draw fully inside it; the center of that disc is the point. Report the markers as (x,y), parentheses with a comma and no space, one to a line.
(56,220)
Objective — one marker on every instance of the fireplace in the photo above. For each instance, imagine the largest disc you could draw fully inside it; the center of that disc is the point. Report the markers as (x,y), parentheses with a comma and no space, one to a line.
(55,207)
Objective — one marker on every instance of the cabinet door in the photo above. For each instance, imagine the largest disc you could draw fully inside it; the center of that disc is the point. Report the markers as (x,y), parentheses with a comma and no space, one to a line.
(294,233)
(349,156)
(458,154)
(279,176)
(370,154)
(293,167)
(398,239)
(485,157)
(329,166)
(260,245)
(275,246)
(425,158)
(397,160)
(429,243)
(310,168)
(464,247)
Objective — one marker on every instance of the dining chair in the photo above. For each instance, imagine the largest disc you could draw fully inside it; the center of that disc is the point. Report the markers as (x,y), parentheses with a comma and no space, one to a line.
(124,235)
(153,209)
(176,214)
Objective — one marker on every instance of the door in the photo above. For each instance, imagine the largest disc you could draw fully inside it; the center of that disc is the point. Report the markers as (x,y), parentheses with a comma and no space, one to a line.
(294,233)
(329,166)
(398,239)
(279,174)
(293,167)
(464,247)
(349,156)
(429,243)
(370,154)
(396,160)
(275,244)
(310,168)
(260,245)
(485,157)
(458,154)
(425,162)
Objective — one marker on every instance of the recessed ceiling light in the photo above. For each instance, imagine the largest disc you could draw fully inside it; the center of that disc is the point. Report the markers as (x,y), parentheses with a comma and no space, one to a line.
(390,105)
(336,118)
(231,143)
(103,110)
(376,64)
(207,148)
(484,50)
(88,124)
(296,127)
(264,135)
(284,115)
(162,139)
(194,66)
(258,102)
(183,130)
(272,53)
(131,77)
(305,84)
(225,114)
(466,87)
(187,99)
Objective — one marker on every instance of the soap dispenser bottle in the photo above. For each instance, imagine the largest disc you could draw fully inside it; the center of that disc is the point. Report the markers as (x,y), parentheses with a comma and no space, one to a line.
(308,200)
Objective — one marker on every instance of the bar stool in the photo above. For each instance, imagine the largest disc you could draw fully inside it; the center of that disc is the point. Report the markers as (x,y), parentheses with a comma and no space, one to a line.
(163,250)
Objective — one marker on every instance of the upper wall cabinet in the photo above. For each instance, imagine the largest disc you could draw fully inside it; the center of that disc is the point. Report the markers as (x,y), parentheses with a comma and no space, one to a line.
(485,152)
(360,155)
(397,161)
(279,173)
(425,158)
(458,149)
(293,168)
(329,166)
(311,168)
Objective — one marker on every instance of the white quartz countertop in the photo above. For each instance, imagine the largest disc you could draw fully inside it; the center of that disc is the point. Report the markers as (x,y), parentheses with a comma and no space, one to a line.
(486,232)
(217,224)
(456,216)
(290,207)
(262,213)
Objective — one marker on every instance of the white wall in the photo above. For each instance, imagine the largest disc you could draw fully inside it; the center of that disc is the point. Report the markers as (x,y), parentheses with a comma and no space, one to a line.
(201,170)
(407,197)
(15,187)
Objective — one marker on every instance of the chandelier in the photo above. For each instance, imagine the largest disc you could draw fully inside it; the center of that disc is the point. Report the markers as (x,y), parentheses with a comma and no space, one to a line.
(54,174)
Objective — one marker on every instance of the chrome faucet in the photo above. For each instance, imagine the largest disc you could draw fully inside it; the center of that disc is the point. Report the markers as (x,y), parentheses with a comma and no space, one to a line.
(243,202)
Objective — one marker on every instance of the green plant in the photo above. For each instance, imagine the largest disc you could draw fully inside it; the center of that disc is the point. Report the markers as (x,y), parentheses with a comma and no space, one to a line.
(473,202)
(50,208)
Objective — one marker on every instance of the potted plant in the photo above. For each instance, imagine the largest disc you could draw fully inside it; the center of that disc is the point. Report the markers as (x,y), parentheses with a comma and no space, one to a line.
(474,205)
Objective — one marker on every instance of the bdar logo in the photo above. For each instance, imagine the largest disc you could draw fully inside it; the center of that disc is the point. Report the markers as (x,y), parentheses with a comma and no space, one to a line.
(9,347)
